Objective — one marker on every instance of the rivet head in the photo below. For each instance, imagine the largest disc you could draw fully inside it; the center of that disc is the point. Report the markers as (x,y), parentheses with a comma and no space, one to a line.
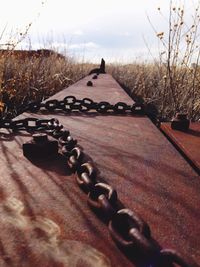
(89,83)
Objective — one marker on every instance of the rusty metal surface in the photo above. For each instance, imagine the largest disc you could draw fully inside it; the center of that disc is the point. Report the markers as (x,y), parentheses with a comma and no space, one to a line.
(44,212)
(188,142)
(104,89)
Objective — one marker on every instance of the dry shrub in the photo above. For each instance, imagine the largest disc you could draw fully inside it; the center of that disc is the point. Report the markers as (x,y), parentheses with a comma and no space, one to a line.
(172,81)
(35,78)
(152,84)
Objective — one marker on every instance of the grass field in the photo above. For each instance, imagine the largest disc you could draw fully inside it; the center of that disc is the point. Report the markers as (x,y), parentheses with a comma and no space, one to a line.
(151,82)
(36,78)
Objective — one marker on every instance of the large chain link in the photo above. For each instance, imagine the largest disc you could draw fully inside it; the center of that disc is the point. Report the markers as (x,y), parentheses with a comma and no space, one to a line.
(126,227)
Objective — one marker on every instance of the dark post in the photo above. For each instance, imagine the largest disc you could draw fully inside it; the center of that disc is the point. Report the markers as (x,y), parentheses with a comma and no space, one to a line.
(102,66)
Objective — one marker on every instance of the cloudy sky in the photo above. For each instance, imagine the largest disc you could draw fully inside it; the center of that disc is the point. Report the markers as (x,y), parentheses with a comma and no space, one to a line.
(117,30)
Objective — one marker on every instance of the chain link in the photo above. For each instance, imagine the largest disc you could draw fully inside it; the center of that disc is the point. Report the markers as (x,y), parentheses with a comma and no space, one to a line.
(75,158)
(121,225)
(104,199)
(172,257)
(86,177)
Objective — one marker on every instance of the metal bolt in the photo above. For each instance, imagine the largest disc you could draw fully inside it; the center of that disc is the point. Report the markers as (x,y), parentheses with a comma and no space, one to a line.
(89,83)
(181,116)
(95,77)
(40,146)
(180,122)
(40,137)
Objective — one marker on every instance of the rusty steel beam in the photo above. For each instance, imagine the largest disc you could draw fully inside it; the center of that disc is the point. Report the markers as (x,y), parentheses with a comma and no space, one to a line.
(104,88)
(187,142)
(45,219)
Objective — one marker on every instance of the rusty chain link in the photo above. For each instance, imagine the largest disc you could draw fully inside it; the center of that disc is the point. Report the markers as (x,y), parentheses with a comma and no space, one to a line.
(103,198)
(86,177)
(126,227)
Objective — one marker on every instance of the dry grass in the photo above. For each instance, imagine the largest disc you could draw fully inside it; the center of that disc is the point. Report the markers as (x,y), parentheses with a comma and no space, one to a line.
(153,85)
(34,79)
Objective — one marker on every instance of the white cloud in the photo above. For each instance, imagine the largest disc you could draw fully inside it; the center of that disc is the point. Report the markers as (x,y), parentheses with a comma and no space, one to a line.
(89,45)
(125,34)
(60,45)
(78,32)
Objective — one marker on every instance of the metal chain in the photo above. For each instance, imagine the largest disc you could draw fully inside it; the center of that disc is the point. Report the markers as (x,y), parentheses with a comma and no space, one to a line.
(126,227)
(71,103)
